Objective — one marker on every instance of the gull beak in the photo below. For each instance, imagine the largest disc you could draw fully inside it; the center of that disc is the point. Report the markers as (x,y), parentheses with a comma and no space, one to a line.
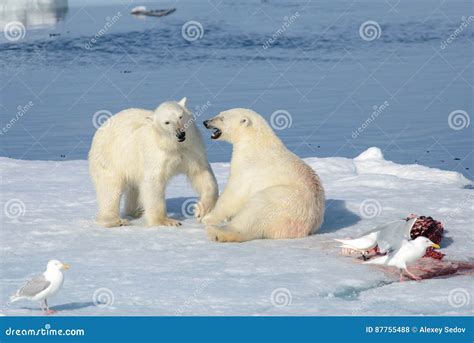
(66,266)
(436,246)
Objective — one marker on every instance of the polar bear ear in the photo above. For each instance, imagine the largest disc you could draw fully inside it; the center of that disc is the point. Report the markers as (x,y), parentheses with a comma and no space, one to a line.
(183,102)
(245,121)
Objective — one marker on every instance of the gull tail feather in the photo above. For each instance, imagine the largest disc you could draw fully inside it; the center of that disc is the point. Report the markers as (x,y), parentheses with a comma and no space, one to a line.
(15,298)
(343,241)
(378,260)
(347,246)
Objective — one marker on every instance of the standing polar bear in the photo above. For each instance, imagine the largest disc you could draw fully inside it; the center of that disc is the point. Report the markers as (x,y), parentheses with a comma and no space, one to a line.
(271,192)
(137,151)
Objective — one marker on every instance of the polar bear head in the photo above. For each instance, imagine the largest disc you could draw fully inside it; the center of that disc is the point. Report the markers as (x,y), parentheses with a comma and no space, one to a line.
(171,119)
(236,124)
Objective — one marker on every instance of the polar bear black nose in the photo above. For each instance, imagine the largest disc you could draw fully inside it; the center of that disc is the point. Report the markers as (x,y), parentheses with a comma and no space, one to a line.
(206,123)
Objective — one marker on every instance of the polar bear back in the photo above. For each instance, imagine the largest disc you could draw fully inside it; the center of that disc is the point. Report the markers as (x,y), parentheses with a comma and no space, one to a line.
(267,165)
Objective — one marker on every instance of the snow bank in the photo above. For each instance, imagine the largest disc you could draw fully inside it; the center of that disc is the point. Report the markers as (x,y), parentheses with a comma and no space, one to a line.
(371,161)
(49,209)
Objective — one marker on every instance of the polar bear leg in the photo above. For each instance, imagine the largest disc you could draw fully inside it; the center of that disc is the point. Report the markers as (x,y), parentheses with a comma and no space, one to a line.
(204,182)
(245,226)
(132,205)
(271,213)
(108,200)
(152,196)
(229,203)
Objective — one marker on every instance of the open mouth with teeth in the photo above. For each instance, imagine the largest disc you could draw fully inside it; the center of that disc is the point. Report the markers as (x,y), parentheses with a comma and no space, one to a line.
(216,133)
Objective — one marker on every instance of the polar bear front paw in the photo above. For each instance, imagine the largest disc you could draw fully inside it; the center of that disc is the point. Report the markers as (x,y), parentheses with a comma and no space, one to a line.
(113,222)
(165,222)
(201,211)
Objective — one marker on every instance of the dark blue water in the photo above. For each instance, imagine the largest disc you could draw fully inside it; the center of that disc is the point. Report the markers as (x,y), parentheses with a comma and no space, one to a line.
(339,92)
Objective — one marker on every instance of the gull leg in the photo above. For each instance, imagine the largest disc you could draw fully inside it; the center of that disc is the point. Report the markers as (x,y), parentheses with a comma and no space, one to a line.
(401,275)
(48,311)
(414,277)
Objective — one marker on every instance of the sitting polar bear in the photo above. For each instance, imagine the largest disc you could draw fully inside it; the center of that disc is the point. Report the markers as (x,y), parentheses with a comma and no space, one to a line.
(137,151)
(271,192)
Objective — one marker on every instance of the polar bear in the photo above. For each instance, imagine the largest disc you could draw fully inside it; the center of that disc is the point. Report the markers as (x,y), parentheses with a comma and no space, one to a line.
(137,151)
(271,192)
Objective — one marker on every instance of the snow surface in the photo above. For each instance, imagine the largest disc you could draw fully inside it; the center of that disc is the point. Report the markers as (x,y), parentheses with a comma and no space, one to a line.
(176,271)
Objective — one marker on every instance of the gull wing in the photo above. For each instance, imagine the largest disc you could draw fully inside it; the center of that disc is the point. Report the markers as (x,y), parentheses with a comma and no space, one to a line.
(36,285)
(393,235)
(382,227)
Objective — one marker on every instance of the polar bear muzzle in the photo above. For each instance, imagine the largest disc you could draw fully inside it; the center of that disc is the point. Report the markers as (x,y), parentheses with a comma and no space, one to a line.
(216,133)
(181,135)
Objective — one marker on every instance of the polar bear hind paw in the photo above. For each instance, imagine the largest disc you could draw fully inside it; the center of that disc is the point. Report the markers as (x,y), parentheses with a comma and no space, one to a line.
(218,235)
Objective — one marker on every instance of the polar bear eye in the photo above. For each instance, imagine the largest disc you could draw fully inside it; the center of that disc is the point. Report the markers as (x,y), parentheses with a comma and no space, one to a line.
(167,122)
(181,117)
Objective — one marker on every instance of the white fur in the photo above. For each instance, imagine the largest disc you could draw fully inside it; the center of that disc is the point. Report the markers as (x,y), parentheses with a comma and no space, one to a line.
(271,192)
(137,152)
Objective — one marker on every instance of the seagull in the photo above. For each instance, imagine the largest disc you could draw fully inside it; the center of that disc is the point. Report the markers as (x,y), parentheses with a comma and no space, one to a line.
(43,286)
(362,243)
(409,251)
(387,237)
